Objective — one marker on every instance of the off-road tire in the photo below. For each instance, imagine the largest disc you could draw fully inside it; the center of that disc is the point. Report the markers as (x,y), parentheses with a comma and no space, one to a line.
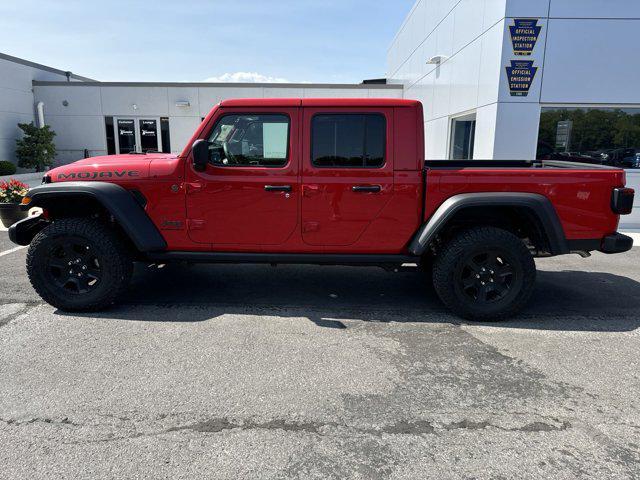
(462,278)
(109,255)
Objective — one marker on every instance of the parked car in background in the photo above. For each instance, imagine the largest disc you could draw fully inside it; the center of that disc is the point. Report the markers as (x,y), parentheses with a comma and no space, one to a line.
(547,152)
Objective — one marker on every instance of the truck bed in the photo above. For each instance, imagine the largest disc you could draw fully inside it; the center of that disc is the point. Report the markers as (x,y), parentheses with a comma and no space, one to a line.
(579,192)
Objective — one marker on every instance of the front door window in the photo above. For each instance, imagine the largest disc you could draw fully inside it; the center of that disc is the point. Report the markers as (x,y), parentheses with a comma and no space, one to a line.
(250,141)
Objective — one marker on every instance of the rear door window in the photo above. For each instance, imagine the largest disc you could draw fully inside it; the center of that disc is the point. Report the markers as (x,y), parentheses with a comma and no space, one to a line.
(348,140)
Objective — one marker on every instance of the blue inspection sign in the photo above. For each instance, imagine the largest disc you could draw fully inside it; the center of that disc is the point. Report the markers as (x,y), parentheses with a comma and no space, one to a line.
(524,35)
(521,74)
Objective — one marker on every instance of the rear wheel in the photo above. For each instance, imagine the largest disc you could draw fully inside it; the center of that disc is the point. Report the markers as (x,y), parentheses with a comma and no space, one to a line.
(485,274)
(79,264)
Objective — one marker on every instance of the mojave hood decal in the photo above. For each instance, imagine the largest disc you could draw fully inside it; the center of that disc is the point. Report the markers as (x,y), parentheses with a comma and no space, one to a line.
(112,168)
(96,174)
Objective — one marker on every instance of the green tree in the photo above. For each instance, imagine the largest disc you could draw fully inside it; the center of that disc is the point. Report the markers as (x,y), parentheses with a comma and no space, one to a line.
(627,132)
(36,148)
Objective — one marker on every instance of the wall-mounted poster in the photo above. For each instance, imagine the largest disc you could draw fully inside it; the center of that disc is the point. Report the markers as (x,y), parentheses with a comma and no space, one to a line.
(521,74)
(524,35)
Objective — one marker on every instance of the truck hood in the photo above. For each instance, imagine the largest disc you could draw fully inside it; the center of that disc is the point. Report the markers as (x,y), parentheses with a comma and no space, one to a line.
(111,168)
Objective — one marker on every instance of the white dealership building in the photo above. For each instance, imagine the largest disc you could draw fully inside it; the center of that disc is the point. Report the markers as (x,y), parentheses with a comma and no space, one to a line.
(520,79)
(499,79)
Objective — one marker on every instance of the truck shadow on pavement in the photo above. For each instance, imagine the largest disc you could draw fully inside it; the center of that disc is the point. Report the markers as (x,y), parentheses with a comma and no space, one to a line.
(564,300)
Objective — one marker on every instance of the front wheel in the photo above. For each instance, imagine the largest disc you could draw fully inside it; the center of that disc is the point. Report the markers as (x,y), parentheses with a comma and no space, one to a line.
(485,274)
(79,264)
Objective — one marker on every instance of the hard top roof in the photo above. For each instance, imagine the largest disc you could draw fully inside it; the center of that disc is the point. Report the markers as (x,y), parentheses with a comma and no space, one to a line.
(319,102)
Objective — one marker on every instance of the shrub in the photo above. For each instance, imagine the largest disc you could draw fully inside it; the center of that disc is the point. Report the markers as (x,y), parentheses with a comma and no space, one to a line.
(7,168)
(36,148)
(12,191)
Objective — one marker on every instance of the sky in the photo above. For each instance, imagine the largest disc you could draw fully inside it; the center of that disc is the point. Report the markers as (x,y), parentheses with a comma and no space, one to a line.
(325,41)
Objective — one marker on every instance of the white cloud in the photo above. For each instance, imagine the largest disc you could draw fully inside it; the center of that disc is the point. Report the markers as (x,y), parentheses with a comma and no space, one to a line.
(245,77)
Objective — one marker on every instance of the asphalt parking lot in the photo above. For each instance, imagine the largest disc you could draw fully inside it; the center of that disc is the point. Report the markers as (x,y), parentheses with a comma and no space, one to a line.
(321,372)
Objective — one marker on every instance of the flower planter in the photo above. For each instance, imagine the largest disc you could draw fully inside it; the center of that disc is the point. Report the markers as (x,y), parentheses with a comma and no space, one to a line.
(11,213)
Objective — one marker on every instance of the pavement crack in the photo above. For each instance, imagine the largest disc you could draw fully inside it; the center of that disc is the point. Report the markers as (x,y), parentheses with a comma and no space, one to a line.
(532,427)
(217,425)
(31,421)
(222,424)
(421,427)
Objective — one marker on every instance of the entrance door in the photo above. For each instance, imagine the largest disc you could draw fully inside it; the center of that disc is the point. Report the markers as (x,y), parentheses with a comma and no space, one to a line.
(126,135)
(137,135)
(347,176)
(247,197)
(149,138)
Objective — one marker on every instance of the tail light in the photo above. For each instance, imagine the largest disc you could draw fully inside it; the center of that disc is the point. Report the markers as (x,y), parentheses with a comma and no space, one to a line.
(622,200)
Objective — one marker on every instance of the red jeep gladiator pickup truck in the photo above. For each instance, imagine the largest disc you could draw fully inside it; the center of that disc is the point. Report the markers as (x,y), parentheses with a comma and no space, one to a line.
(318,181)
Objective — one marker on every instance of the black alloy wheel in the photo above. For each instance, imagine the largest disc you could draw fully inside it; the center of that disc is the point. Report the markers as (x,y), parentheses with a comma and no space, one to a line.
(73,265)
(484,274)
(486,277)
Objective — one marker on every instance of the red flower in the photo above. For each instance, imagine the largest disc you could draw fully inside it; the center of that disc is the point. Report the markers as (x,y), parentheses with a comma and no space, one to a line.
(12,191)
(13,183)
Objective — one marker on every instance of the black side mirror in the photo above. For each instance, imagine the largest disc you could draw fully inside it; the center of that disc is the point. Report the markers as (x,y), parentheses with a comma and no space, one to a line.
(200,152)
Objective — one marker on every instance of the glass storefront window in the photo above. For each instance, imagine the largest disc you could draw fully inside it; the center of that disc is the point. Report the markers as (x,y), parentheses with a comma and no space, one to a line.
(111,139)
(605,136)
(164,130)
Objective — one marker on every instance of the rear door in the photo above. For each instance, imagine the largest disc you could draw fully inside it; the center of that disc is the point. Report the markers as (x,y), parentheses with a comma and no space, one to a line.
(347,172)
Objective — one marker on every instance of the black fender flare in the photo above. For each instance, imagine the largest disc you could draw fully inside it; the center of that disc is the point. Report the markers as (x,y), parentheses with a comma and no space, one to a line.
(540,205)
(119,202)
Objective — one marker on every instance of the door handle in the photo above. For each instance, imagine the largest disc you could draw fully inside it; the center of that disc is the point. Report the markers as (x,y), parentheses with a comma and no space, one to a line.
(366,188)
(277,188)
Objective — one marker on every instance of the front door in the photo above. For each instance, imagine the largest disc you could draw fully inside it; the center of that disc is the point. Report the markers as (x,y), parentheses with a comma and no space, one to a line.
(248,195)
(347,176)
(137,135)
